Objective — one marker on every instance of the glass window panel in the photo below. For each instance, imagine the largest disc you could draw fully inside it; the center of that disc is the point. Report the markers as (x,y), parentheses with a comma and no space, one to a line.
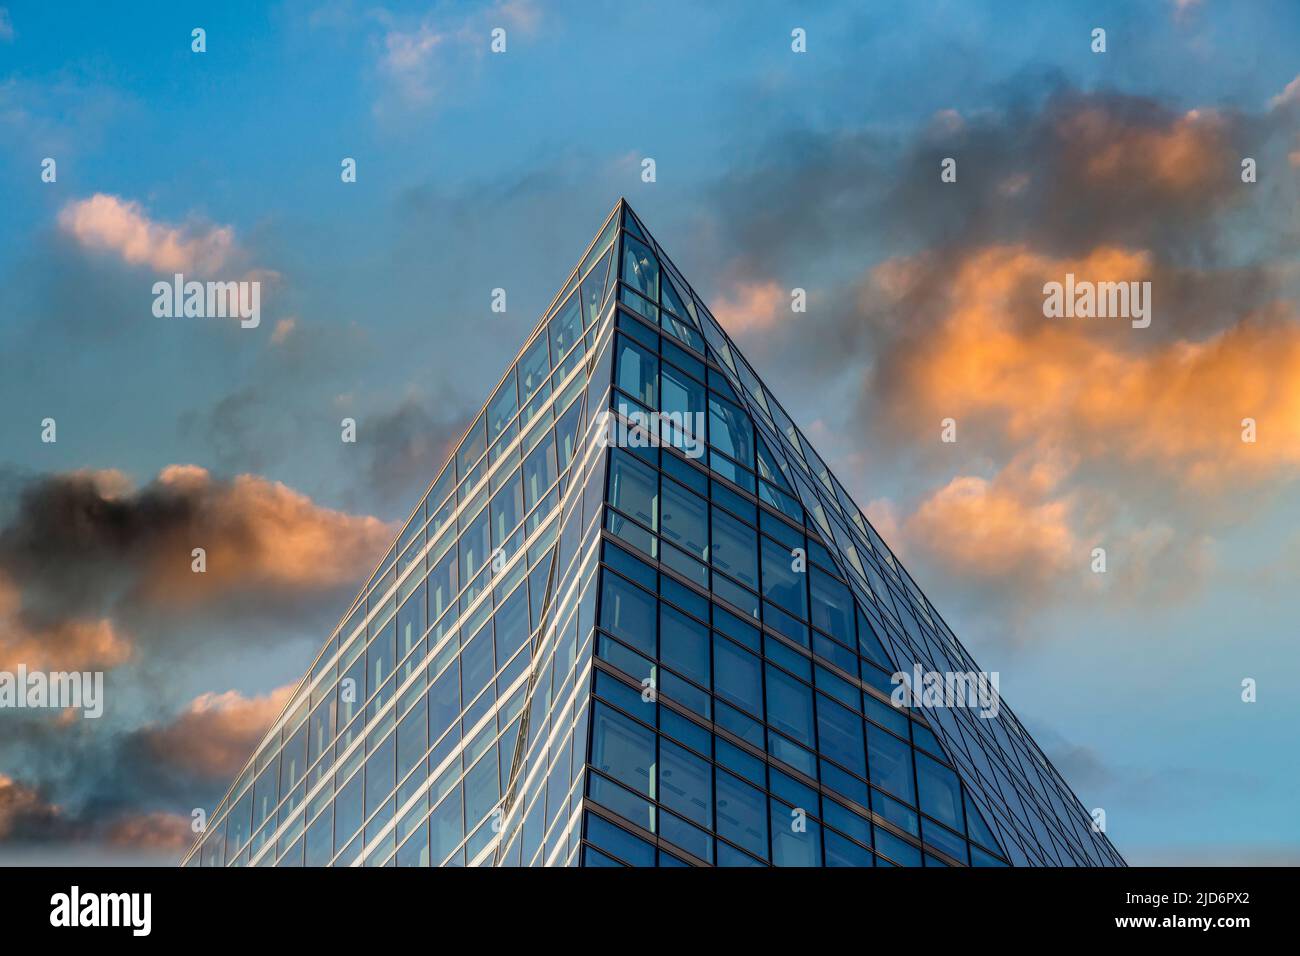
(381,768)
(685,783)
(502,408)
(477,664)
(890,762)
(348,811)
(640,268)
(979,830)
(539,471)
(238,827)
(843,852)
(939,790)
(671,300)
(731,431)
(446,827)
(898,850)
(796,839)
(320,839)
(266,792)
(832,605)
(736,676)
(781,583)
(619,842)
(789,705)
(684,644)
(623,749)
(685,520)
(566,327)
(475,547)
(637,372)
(735,548)
(444,701)
(742,814)
(380,658)
(839,735)
(534,367)
(593,288)
(473,445)
(683,401)
(634,488)
(411,621)
(627,612)
(566,434)
(507,510)
(293,761)
(482,788)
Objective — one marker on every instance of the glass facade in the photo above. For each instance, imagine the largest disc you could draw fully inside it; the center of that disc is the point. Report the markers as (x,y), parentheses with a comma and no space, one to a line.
(636,621)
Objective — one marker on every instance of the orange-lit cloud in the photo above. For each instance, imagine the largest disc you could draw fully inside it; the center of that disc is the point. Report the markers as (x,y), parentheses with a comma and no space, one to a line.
(1096,386)
(256,531)
(72,644)
(751,306)
(156,831)
(121,227)
(216,733)
(998,529)
(1189,156)
(22,808)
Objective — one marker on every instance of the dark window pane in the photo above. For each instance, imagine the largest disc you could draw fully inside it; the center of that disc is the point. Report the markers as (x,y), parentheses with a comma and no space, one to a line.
(622,749)
(634,488)
(742,814)
(628,612)
(685,783)
(796,840)
(731,431)
(637,372)
(781,583)
(735,548)
(684,644)
(890,762)
(736,675)
(940,792)
(685,519)
(640,268)
(832,605)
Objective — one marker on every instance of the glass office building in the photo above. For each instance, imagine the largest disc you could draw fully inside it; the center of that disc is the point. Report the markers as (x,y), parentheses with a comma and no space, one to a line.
(637,621)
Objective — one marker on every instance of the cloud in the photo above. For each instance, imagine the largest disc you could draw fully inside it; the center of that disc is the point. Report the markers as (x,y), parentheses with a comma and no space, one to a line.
(1136,433)
(6,26)
(987,357)
(95,558)
(403,446)
(166,833)
(121,227)
(29,820)
(216,733)
(79,644)
(416,58)
(23,811)
(407,61)
(986,531)
(750,306)
(283,329)
(1290,94)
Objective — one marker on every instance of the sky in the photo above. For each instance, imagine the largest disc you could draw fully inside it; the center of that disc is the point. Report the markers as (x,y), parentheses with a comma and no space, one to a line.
(774,170)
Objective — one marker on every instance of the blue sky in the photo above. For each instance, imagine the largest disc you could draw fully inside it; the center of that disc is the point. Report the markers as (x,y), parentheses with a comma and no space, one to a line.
(774,170)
